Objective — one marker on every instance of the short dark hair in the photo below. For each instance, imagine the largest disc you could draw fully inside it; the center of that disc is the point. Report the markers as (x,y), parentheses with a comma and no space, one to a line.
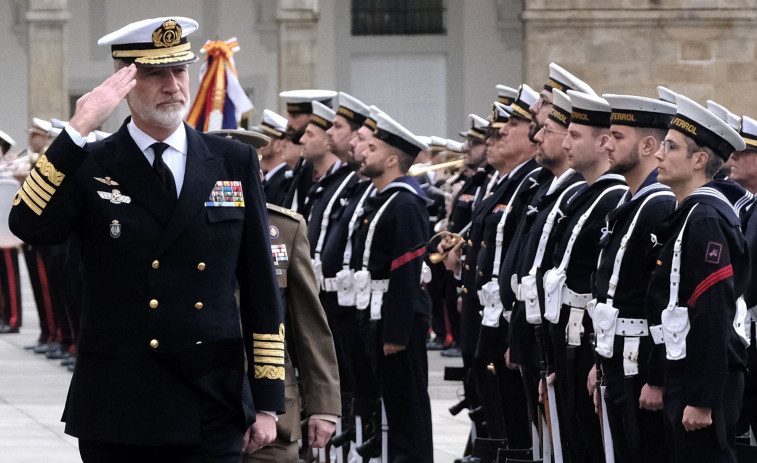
(404,160)
(714,162)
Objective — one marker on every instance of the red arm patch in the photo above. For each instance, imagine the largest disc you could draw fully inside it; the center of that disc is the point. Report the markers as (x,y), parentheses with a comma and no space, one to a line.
(709,282)
(407,257)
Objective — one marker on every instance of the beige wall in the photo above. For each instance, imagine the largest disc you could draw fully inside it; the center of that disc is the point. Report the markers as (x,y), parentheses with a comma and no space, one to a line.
(703,49)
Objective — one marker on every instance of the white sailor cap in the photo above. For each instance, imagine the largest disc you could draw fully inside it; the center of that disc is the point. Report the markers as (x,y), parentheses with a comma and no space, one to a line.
(352,109)
(273,124)
(749,132)
(5,138)
(589,109)
(393,133)
(563,80)
(666,94)
(40,126)
(526,97)
(722,112)
(638,111)
(424,139)
(258,140)
(561,108)
(499,116)
(370,121)
(437,144)
(322,116)
(300,101)
(455,147)
(153,42)
(705,128)
(506,95)
(478,126)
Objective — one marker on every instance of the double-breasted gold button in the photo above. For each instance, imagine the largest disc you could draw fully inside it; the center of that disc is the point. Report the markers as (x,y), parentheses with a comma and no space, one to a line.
(201,266)
(467,267)
(154,343)
(465,290)
(470,243)
(155,264)
(198,305)
(153,303)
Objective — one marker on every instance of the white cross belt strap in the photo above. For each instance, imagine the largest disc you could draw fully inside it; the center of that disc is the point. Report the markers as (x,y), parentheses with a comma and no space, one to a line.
(344,280)
(488,295)
(604,315)
(365,290)
(526,291)
(554,279)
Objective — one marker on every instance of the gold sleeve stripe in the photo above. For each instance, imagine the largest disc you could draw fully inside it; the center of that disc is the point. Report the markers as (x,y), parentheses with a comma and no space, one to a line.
(267,345)
(42,182)
(47,169)
(270,337)
(268,352)
(269,372)
(37,210)
(272,360)
(29,191)
(40,192)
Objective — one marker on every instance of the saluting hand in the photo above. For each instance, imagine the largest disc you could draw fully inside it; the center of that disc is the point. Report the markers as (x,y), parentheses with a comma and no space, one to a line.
(696,417)
(95,107)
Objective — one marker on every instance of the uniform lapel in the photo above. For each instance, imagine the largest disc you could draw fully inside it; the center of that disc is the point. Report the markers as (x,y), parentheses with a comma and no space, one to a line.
(126,164)
(202,172)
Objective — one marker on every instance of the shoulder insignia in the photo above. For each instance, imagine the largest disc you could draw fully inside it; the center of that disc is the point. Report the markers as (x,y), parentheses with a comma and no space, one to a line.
(713,253)
(284,211)
(106,180)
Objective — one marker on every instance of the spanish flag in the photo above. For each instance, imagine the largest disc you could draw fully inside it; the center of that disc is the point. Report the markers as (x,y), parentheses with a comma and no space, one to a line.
(220,101)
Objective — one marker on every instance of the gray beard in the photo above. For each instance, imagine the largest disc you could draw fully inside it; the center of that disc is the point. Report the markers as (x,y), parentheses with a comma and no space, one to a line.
(168,117)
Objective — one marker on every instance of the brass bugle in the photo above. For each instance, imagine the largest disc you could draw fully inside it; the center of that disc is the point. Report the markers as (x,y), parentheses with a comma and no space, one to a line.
(421,169)
(436,257)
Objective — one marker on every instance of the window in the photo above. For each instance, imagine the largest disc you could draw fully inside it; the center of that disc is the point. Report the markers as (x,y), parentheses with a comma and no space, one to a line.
(398,17)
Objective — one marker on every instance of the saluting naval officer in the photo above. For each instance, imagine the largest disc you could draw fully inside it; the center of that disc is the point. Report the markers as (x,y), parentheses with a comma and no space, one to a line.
(702,269)
(387,250)
(626,262)
(169,220)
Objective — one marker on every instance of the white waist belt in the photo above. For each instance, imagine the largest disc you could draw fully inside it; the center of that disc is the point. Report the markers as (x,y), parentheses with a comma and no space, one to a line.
(631,327)
(574,299)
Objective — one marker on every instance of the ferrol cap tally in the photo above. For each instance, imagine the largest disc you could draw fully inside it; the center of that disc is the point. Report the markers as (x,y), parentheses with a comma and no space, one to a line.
(301,101)
(392,132)
(589,110)
(638,111)
(561,108)
(322,116)
(749,132)
(153,42)
(722,112)
(705,128)
(506,95)
(526,97)
(352,109)
(563,80)
(499,116)
(273,124)
(666,94)
(478,125)
(370,121)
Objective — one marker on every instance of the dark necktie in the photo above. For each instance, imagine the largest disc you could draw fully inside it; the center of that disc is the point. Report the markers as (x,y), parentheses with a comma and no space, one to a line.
(162,171)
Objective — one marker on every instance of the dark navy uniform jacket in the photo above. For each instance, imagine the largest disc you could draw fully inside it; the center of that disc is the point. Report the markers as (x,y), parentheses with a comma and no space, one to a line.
(276,186)
(399,244)
(160,326)
(462,205)
(715,271)
(636,267)
(320,195)
(519,259)
(299,185)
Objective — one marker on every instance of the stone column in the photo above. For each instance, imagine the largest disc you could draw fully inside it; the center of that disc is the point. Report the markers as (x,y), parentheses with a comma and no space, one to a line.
(297,21)
(48,92)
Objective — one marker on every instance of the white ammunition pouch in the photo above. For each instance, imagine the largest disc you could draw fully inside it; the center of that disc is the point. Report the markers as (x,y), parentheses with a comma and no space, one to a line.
(488,296)
(631,355)
(605,318)
(675,328)
(530,296)
(574,331)
(740,321)
(515,287)
(378,288)
(318,270)
(362,285)
(345,287)
(425,273)
(554,282)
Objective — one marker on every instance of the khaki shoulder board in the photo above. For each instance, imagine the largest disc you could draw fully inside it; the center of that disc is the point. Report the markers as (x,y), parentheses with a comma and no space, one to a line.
(284,211)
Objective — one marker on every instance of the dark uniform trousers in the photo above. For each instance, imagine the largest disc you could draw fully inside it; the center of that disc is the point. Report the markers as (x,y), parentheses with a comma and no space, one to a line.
(35,265)
(161,357)
(10,288)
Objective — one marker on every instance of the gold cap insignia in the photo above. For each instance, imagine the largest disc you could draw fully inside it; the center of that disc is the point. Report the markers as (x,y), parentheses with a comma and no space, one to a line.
(167,35)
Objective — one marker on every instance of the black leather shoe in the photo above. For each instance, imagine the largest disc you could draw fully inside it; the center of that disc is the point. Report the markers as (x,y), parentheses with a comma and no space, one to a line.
(6,329)
(58,354)
(454,352)
(69,361)
(39,343)
(72,366)
(435,344)
(46,347)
